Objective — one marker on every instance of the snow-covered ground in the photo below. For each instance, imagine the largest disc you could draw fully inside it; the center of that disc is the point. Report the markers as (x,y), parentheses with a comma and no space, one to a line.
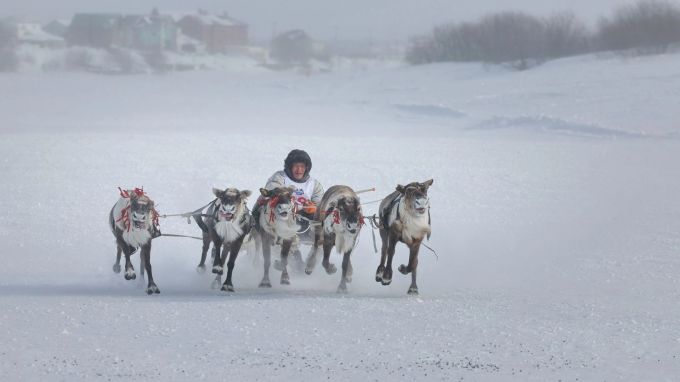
(555,212)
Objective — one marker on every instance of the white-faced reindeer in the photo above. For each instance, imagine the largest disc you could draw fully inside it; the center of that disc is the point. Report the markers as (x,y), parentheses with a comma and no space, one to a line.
(134,222)
(276,222)
(341,220)
(405,217)
(226,224)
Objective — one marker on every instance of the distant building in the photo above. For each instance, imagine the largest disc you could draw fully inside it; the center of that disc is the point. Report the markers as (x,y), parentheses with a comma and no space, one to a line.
(218,33)
(57,27)
(99,30)
(154,32)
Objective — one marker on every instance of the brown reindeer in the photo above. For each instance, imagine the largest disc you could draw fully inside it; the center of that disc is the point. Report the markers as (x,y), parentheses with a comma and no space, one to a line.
(226,224)
(276,222)
(404,217)
(341,220)
(134,222)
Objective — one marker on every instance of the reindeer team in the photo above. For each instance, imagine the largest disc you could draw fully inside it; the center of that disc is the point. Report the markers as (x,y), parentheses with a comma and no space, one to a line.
(280,211)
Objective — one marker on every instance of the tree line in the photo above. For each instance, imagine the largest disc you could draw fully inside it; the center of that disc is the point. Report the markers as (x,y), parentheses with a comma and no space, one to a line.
(522,40)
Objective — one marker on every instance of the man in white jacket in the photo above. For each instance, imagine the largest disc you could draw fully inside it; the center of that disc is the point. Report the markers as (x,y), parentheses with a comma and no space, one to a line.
(308,192)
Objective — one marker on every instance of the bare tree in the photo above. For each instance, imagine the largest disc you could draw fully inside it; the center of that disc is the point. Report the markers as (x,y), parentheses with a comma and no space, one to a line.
(565,36)
(648,26)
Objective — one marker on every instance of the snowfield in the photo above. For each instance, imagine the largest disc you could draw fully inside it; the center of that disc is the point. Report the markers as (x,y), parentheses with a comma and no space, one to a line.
(555,213)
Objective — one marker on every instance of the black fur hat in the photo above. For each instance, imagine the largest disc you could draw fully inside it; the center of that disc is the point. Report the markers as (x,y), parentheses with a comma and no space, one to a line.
(297,156)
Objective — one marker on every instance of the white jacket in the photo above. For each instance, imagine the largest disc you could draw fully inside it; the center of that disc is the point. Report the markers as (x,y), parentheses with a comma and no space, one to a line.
(309,190)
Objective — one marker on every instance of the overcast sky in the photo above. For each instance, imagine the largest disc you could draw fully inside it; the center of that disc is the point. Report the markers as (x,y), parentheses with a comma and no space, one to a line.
(323,19)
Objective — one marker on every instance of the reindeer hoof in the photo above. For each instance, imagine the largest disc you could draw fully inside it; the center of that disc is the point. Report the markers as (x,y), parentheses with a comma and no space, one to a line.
(331,268)
(342,289)
(309,271)
(217,269)
(200,269)
(152,289)
(413,291)
(130,275)
(265,284)
(116,268)
(403,269)
(379,274)
(227,288)
(215,284)
(285,279)
(387,277)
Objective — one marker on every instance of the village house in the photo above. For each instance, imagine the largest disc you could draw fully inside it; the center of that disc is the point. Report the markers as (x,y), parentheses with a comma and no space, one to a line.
(97,30)
(218,32)
(153,32)
(57,27)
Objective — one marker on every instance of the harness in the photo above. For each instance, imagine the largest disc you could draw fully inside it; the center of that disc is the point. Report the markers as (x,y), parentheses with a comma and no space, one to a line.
(387,211)
(336,216)
(125,212)
(273,202)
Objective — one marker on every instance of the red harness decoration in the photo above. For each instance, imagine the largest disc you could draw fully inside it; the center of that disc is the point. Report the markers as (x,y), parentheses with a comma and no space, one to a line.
(125,217)
(125,194)
(125,213)
(273,202)
(336,217)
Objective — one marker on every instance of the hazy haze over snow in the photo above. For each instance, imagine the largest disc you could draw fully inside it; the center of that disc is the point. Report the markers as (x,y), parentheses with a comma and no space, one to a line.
(324,19)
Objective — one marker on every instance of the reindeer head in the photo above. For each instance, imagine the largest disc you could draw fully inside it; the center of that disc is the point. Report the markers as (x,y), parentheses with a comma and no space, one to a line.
(229,202)
(141,210)
(415,195)
(280,202)
(349,210)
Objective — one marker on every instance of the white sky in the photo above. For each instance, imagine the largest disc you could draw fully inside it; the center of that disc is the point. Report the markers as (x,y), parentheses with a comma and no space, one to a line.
(323,19)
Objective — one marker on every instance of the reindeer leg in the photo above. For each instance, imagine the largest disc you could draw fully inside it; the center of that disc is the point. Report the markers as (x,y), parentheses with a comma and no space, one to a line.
(146,255)
(387,274)
(128,250)
(142,260)
(204,253)
(412,266)
(383,256)
(217,268)
(129,269)
(116,265)
(267,255)
(311,258)
(222,259)
(217,261)
(235,247)
(342,288)
(328,243)
(285,249)
(350,271)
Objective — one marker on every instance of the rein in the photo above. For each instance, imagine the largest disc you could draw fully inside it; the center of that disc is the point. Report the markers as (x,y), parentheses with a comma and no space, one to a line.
(174,235)
(188,215)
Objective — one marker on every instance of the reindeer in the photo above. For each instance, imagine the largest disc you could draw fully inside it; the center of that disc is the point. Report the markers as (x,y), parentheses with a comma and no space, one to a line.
(341,220)
(276,222)
(134,222)
(226,224)
(404,217)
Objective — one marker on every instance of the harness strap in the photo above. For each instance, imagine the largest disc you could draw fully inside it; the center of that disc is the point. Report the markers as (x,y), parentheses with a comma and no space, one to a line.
(388,210)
